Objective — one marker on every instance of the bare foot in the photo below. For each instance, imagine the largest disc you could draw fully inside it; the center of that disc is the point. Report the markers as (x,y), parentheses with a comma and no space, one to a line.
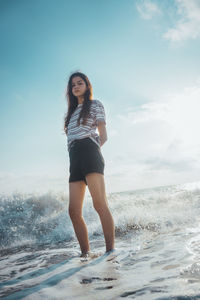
(111,250)
(90,254)
(85,254)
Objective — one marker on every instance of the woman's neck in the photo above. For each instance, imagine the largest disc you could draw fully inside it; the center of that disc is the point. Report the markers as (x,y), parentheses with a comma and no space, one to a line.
(80,100)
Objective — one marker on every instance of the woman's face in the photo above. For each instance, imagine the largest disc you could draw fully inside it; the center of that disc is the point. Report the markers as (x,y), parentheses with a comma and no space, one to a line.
(78,86)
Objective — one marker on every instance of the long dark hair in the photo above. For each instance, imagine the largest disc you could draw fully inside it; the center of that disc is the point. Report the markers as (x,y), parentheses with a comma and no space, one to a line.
(73,100)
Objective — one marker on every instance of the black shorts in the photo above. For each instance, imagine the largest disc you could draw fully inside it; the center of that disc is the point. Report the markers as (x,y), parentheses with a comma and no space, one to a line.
(85,157)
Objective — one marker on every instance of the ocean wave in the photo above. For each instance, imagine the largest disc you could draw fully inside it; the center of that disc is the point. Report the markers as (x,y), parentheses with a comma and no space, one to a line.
(40,219)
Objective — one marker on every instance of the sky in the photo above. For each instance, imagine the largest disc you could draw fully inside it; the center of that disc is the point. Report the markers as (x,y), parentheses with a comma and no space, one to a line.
(142,59)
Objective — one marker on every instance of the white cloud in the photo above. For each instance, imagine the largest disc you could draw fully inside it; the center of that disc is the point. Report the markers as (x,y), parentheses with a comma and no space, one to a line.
(147,9)
(157,143)
(179,112)
(188,26)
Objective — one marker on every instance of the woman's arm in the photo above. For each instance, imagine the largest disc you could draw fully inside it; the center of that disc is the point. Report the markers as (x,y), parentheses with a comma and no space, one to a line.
(102,132)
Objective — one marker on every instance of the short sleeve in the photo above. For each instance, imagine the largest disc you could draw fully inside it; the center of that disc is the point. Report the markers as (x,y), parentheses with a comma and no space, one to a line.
(100,112)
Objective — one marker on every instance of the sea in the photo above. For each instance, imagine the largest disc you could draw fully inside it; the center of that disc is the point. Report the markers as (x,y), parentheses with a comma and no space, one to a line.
(156,256)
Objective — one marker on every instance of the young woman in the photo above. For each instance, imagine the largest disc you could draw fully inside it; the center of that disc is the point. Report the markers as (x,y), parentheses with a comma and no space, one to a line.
(84,116)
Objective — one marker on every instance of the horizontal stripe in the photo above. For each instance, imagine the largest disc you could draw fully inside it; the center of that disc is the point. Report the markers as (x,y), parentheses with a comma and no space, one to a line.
(75,131)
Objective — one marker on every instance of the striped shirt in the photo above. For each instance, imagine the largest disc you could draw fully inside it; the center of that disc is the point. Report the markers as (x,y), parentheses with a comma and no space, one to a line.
(76,132)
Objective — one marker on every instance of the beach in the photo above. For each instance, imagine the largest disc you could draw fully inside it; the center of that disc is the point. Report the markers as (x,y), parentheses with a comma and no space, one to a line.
(157,247)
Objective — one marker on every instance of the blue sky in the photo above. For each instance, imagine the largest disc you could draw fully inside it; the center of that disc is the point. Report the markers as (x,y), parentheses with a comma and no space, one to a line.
(142,58)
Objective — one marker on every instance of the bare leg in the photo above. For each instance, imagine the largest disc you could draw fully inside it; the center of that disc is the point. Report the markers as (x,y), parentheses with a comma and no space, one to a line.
(96,187)
(76,196)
